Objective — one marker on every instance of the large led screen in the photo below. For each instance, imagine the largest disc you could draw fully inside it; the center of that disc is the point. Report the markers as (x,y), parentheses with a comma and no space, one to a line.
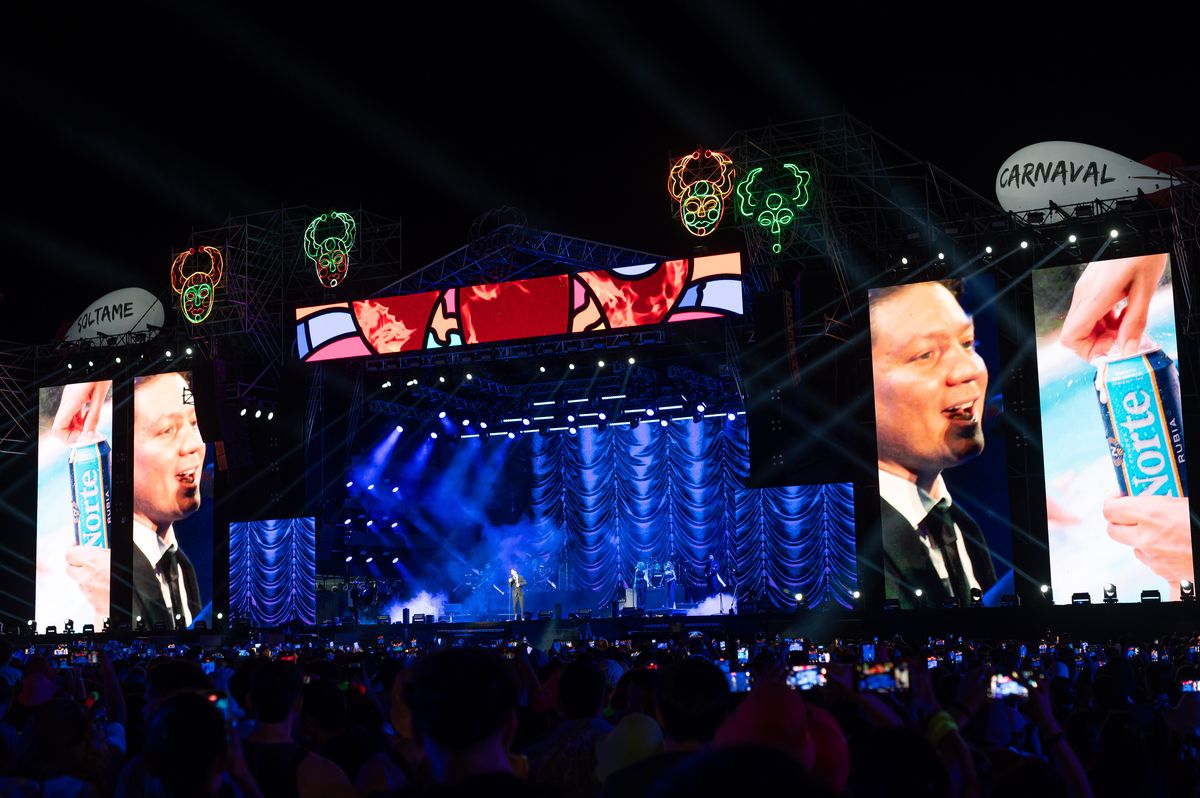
(942,470)
(172,504)
(669,291)
(1112,428)
(273,571)
(74,504)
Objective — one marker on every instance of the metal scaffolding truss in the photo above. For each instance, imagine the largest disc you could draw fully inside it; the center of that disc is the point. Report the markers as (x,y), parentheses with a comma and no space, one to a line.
(17,373)
(512,252)
(869,197)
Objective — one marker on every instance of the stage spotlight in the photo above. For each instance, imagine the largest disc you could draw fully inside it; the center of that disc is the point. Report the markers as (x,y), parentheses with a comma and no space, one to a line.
(542,369)
(1081,598)
(1187,591)
(976,597)
(466,422)
(1072,238)
(442,414)
(919,592)
(395,560)
(371,522)
(188,350)
(243,412)
(650,412)
(1112,233)
(169,351)
(631,361)
(1151,597)
(69,366)
(118,360)
(602,416)
(700,408)
(349,557)
(1047,594)
(570,419)
(371,486)
(399,428)
(904,261)
(1024,245)
(571,366)
(856,595)
(663,422)
(370,559)
(69,627)
(347,522)
(433,435)
(270,415)
(441,379)
(512,435)
(731,417)
(220,616)
(988,249)
(572,430)
(599,364)
(470,376)
(524,422)
(90,363)
(395,524)
(258,414)
(483,425)
(1110,594)
(941,256)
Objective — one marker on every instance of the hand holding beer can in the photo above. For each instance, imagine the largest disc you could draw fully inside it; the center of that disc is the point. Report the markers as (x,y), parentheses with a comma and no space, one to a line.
(90,468)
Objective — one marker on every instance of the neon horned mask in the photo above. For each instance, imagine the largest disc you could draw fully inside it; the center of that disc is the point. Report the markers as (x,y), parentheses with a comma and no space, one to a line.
(702,201)
(197,291)
(774,210)
(331,254)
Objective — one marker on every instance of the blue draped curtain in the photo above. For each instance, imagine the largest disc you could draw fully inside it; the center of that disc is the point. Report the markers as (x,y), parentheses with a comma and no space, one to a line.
(604,499)
(273,571)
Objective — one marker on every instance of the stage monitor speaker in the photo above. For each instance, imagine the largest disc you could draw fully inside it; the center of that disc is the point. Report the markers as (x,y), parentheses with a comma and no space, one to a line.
(807,380)
(406,616)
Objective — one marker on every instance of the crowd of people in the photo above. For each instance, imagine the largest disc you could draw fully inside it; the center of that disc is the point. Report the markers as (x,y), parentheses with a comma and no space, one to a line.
(686,716)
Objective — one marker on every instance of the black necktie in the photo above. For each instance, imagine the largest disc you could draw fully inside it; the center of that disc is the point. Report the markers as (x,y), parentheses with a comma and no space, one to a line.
(170,572)
(939,527)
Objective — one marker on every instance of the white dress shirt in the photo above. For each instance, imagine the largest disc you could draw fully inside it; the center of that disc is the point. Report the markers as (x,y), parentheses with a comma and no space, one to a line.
(154,547)
(914,504)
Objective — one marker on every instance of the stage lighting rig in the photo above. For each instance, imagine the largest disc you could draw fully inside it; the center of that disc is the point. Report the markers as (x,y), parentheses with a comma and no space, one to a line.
(1110,594)
(1187,591)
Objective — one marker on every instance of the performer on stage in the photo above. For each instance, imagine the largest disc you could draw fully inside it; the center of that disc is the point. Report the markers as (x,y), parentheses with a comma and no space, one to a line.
(516,588)
(641,581)
(669,580)
(712,573)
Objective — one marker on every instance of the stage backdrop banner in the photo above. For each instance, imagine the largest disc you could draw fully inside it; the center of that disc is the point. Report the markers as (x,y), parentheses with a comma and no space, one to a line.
(273,571)
(605,499)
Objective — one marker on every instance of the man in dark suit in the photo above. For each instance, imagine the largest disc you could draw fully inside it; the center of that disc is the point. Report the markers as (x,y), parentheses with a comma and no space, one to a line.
(930,388)
(516,589)
(168,456)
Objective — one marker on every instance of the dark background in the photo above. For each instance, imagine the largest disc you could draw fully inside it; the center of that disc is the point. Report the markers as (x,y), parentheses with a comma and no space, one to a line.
(126,127)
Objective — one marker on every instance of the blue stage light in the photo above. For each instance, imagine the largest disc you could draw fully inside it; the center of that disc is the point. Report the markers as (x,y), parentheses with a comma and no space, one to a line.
(442,414)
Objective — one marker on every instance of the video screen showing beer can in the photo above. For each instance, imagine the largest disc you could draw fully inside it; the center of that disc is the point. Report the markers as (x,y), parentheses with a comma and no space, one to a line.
(74,503)
(1113,444)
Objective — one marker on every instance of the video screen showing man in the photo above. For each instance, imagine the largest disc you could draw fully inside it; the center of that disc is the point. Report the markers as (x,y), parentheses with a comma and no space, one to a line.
(168,466)
(931,388)
(74,504)
(1112,428)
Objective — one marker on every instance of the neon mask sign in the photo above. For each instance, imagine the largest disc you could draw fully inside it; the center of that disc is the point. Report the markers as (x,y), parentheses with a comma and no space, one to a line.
(331,254)
(774,210)
(702,201)
(197,291)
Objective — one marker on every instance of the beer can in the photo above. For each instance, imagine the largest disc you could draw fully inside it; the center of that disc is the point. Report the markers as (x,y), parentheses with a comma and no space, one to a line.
(90,467)
(1143,421)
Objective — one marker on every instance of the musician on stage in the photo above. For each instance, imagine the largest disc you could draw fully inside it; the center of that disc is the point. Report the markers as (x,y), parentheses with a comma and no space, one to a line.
(641,581)
(516,589)
(669,581)
(712,573)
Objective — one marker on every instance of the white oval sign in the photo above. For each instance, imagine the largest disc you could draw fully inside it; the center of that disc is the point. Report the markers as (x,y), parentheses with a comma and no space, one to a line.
(1069,173)
(124,311)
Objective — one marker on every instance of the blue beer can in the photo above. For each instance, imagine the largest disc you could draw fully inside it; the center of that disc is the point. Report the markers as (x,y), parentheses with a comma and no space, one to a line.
(1143,420)
(90,467)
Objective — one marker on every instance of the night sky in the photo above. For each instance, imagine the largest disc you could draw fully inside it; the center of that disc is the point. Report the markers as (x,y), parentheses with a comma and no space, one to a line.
(125,130)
